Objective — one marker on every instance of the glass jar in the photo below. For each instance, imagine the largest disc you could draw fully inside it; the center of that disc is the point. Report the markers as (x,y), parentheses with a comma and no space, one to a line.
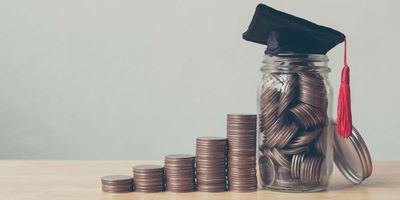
(295,133)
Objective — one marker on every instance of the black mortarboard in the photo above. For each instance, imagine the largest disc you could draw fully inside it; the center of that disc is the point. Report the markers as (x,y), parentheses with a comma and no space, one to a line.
(282,32)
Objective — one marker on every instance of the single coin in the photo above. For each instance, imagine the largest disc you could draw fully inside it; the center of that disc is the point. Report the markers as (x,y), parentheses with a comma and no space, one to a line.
(202,188)
(180,157)
(308,116)
(211,138)
(117,191)
(295,150)
(151,190)
(305,138)
(116,179)
(118,187)
(267,170)
(148,176)
(148,168)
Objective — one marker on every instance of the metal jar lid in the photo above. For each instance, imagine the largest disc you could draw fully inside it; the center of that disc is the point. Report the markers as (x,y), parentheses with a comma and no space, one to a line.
(351,156)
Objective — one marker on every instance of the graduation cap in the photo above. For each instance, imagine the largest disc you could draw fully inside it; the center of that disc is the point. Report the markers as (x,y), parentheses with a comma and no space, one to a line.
(282,32)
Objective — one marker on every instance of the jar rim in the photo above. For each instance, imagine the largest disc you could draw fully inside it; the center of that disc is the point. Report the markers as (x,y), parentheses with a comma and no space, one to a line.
(289,61)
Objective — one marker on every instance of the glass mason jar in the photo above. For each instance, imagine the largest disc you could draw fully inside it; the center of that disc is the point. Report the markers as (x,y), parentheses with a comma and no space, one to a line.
(294,132)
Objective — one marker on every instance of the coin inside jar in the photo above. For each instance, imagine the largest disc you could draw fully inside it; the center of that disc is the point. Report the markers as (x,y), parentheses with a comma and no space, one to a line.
(267,170)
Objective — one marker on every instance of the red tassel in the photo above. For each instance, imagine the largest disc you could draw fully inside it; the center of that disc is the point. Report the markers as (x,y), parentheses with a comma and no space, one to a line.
(344,121)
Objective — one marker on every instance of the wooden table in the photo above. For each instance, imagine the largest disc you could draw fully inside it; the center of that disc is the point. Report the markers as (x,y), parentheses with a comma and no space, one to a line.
(44,180)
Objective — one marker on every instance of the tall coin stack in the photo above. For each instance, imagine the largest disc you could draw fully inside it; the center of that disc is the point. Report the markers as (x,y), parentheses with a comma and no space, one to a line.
(117,184)
(149,178)
(211,164)
(180,173)
(241,133)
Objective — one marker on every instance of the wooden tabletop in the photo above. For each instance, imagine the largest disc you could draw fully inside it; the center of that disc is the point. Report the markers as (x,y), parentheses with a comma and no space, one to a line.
(20,179)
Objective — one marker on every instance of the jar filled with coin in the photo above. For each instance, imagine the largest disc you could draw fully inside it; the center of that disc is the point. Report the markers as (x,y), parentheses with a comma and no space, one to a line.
(298,140)
(295,151)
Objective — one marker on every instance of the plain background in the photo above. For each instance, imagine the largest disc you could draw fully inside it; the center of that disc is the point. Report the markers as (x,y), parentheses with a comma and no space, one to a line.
(123,79)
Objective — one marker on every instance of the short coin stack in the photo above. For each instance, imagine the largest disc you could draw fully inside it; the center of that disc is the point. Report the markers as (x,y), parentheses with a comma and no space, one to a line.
(211,164)
(117,184)
(149,178)
(180,173)
(241,133)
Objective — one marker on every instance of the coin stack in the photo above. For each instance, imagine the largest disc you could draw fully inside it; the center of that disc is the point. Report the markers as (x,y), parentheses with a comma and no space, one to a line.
(180,173)
(211,164)
(241,134)
(293,122)
(117,184)
(149,178)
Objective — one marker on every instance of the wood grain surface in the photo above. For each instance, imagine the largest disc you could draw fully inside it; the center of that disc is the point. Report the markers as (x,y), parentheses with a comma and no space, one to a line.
(52,180)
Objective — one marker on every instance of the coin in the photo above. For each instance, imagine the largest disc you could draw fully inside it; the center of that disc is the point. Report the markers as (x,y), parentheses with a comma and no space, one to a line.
(179,157)
(308,116)
(311,170)
(295,150)
(312,89)
(279,158)
(305,137)
(148,168)
(116,180)
(267,170)
(288,92)
(297,161)
(117,189)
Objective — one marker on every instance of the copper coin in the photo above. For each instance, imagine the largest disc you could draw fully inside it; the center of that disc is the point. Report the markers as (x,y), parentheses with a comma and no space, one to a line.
(211,176)
(118,187)
(242,116)
(308,116)
(287,183)
(179,173)
(180,157)
(149,184)
(280,158)
(150,190)
(295,150)
(305,137)
(148,176)
(267,170)
(288,91)
(297,161)
(148,168)
(116,180)
(253,189)
(203,188)
(117,190)
(170,164)
(211,139)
